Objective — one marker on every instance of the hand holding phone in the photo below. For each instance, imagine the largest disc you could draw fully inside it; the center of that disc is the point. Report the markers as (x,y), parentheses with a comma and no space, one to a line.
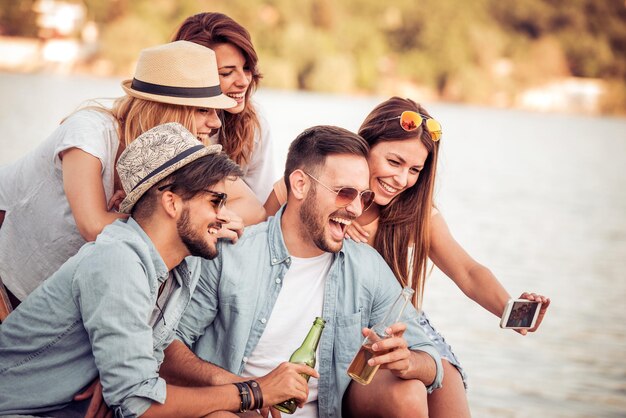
(520,314)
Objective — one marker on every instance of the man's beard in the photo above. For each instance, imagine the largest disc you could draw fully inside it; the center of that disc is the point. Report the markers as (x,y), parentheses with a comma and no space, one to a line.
(313,224)
(196,245)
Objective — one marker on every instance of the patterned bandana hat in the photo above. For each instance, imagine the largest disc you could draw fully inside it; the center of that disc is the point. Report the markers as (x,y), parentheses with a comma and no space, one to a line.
(154,155)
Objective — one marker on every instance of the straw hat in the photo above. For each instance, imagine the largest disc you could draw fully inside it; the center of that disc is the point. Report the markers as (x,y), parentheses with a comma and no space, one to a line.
(154,155)
(179,73)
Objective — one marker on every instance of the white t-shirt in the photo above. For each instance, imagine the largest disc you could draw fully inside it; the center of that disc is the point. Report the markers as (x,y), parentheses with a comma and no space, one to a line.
(258,174)
(39,232)
(299,302)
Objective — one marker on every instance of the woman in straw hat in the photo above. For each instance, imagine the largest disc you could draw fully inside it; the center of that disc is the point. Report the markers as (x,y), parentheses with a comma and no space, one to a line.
(404,148)
(62,194)
(245,132)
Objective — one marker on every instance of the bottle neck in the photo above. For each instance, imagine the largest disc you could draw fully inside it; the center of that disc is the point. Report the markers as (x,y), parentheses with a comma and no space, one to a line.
(394,313)
(313,337)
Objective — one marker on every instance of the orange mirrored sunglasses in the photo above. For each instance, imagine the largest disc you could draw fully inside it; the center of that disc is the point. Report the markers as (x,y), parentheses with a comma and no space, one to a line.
(410,121)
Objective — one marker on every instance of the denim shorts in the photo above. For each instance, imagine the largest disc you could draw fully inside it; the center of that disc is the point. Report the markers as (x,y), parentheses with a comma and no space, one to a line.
(444,349)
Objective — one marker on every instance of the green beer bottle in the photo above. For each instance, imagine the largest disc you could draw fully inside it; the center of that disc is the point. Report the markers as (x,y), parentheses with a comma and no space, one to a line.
(305,354)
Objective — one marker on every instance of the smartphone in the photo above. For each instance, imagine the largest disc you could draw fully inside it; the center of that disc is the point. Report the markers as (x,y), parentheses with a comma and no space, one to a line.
(520,314)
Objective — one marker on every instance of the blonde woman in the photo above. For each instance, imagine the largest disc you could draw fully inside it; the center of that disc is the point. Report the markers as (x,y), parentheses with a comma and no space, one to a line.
(63,193)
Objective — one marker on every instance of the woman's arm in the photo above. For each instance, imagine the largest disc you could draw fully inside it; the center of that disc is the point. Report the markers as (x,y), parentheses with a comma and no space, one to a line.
(244,203)
(272,204)
(474,279)
(82,182)
(277,197)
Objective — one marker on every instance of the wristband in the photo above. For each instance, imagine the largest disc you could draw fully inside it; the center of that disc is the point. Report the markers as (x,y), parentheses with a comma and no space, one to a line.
(244,394)
(256,391)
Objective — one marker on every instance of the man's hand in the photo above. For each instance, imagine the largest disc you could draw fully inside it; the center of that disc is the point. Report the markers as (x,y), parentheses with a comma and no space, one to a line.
(97,407)
(545,302)
(286,382)
(391,353)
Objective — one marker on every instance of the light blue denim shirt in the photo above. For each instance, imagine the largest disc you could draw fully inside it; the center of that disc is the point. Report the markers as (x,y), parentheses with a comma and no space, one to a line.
(89,318)
(237,292)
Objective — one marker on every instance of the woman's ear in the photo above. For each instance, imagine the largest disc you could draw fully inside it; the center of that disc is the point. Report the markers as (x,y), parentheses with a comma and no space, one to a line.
(299,183)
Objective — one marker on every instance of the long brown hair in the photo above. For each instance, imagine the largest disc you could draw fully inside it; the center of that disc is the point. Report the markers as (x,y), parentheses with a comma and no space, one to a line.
(210,29)
(406,219)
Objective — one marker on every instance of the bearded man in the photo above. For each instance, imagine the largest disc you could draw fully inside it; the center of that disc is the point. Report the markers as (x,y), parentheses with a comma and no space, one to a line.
(256,301)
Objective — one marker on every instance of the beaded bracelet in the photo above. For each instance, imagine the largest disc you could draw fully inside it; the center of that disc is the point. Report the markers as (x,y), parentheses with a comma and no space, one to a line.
(244,394)
(256,391)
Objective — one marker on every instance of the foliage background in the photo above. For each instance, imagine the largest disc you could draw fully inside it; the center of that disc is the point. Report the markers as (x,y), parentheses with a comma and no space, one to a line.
(481,51)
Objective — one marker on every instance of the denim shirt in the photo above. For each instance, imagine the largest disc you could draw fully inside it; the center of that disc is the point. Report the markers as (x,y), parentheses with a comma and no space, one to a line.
(91,318)
(237,292)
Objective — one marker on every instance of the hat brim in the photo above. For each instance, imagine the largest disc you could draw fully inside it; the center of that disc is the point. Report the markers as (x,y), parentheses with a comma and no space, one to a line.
(133,197)
(214,102)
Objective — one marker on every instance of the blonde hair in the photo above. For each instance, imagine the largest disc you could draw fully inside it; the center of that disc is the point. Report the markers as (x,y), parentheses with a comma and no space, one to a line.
(135,116)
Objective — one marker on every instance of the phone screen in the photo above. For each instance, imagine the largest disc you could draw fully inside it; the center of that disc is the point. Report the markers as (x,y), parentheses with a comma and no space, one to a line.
(522,314)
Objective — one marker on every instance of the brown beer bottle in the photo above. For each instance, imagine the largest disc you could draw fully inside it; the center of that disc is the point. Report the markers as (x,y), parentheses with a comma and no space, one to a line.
(360,371)
(305,354)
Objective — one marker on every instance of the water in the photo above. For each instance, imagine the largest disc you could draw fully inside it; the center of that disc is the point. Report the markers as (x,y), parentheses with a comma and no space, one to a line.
(540,199)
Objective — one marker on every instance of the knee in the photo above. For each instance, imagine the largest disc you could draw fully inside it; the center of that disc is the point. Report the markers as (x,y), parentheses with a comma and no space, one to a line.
(409,399)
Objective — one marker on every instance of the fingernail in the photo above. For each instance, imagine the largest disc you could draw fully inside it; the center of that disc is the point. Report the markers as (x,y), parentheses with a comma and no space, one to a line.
(375,347)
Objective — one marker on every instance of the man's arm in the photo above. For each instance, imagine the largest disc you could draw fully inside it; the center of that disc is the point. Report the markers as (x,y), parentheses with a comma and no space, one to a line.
(183,368)
(412,355)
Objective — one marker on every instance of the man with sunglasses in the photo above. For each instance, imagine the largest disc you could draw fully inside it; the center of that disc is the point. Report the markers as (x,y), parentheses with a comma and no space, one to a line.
(111,310)
(256,301)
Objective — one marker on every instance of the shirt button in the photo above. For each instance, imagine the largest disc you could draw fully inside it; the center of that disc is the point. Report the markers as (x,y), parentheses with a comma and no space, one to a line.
(245,359)
(277,280)
(274,260)
(263,320)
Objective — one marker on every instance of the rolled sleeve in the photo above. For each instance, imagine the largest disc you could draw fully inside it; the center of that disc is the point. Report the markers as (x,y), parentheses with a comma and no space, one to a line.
(153,390)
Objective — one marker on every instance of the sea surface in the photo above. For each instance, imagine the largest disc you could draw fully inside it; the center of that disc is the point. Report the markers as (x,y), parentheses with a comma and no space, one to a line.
(538,198)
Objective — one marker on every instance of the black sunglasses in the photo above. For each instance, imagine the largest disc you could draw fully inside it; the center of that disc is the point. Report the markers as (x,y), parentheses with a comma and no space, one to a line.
(221,197)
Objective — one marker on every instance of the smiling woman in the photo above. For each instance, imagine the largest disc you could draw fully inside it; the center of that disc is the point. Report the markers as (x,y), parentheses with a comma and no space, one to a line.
(244,133)
(67,190)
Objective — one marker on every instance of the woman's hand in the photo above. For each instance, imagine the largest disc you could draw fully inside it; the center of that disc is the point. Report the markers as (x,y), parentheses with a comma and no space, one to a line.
(356,232)
(545,302)
(116,200)
(232,225)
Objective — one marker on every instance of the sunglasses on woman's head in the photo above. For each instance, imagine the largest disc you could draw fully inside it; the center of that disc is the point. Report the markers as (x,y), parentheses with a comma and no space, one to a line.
(410,121)
(346,195)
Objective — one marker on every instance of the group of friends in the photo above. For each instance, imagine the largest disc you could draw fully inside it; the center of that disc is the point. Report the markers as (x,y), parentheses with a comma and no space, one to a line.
(138,292)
